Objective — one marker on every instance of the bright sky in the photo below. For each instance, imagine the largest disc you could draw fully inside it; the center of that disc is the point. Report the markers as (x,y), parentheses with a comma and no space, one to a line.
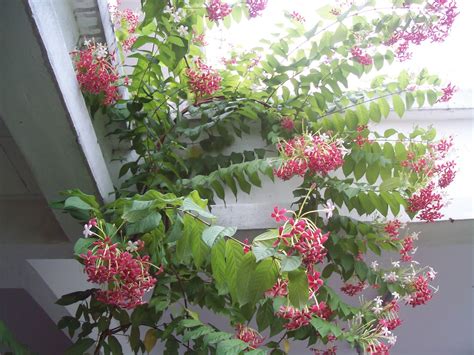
(451,60)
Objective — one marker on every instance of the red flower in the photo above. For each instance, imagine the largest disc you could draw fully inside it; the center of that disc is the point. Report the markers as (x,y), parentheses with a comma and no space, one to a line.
(279,214)
(287,124)
(427,202)
(297,17)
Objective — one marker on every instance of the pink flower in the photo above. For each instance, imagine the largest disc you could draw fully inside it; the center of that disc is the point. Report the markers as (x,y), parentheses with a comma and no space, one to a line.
(95,73)
(427,202)
(439,14)
(125,277)
(362,58)
(297,17)
(448,93)
(379,349)
(255,7)
(287,124)
(217,10)
(203,80)
(279,289)
(407,247)
(309,153)
(392,228)
(353,289)
(279,214)
(248,335)
(314,282)
(422,292)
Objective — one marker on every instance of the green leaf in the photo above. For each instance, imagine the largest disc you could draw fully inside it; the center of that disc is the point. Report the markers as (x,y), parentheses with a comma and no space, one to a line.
(144,225)
(378,61)
(372,173)
(74,297)
(398,105)
(231,347)
(390,184)
(218,265)
(340,35)
(137,210)
(212,233)
(189,204)
(298,291)
(77,203)
(324,327)
(115,346)
(290,263)
(432,97)
(245,279)
(151,337)
(262,252)
(82,245)
(233,254)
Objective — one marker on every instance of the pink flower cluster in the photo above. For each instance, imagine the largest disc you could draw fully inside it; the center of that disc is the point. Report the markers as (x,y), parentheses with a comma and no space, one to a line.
(390,324)
(128,21)
(199,40)
(279,289)
(287,124)
(441,173)
(392,228)
(255,7)
(427,202)
(448,93)
(297,17)
(306,240)
(95,73)
(360,56)
(125,276)
(311,152)
(217,10)
(439,17)
(422,292)
(379,349)
(407,247)
(300,318)
(203,80)
(248,335)
(353,289)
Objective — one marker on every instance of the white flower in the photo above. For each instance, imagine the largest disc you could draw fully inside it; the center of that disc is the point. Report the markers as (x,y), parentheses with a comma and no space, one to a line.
(178,15)
(87,230)
(414,250)
(328,208)
(431,274)
(358,318)
(324,137)
(396,295)
(377,309)
(390,277)
(374,265)
(395,263)
(183,31)
(168,9)
(392,339)
(131,246)
(101,50)
(407,298)
(378,301)
(385,332)
(414,262)
(87,42)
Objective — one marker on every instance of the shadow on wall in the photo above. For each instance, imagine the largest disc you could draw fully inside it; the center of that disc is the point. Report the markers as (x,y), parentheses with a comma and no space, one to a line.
(31,325)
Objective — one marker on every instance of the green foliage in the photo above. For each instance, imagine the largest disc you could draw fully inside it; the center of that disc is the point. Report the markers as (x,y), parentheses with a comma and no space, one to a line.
(185,162)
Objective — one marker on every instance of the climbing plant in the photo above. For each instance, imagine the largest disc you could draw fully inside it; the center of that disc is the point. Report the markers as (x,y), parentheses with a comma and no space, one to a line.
(157,257)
